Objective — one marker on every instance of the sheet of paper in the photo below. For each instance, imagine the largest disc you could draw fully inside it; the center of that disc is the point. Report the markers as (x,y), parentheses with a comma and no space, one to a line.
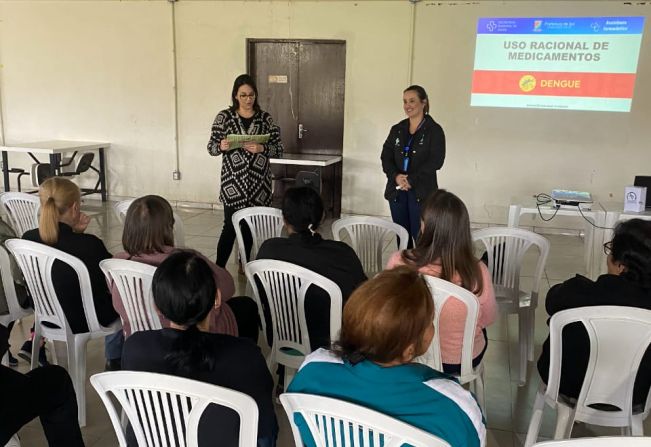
(237,141)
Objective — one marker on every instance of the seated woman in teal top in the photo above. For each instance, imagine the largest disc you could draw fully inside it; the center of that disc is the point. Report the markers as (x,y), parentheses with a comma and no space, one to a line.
(387,322)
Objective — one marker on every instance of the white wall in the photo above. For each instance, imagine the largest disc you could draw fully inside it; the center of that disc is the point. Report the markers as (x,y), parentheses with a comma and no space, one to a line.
(102,70)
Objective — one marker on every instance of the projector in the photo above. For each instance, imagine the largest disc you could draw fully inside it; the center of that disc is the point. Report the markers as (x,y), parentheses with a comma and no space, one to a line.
(571,199)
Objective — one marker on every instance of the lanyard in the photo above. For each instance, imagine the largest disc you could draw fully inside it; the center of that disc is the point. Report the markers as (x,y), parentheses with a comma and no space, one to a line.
(407,148)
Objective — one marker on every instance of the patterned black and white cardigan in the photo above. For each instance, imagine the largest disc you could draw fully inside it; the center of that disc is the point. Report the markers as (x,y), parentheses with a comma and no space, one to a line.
(246,177)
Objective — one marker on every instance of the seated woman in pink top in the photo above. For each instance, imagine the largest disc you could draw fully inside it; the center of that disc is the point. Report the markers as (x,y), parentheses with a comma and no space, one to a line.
(148,237)
(445,249)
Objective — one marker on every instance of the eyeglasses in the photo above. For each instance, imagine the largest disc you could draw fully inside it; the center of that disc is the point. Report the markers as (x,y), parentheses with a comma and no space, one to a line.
(251,96)
(608,248)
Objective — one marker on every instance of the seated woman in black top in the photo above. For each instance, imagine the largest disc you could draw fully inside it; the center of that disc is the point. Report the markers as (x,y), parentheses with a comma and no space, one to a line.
(628,283)
(61,226)
(185,293)
(303,213)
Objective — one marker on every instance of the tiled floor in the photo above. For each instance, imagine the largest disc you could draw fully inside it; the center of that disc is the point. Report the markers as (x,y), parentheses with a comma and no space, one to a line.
(508,406)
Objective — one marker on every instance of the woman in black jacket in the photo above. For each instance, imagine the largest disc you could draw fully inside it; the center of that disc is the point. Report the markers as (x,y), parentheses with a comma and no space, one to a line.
(627,283)
(411,155)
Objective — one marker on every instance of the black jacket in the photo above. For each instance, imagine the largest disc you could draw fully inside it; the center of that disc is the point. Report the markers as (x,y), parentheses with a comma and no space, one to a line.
(426,157)
(607,290)
(90,250)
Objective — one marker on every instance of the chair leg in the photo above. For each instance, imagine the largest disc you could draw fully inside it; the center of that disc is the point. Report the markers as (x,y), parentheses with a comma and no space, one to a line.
(637,426)
(523,332)
(564,422)
(36,345)
(531,332)
(536,418)
(289,375)
(479,392)
(77,369)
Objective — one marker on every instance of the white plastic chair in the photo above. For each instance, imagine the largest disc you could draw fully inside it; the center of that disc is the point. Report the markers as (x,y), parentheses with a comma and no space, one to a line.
(442,291)
(285,286)
(36,261)
(121,208)
(362,427)
(165,410)
(263,221)
(619,337)
(604,441)
(506,248)
(368,237)
(16,312)
(22,209)
(133,281)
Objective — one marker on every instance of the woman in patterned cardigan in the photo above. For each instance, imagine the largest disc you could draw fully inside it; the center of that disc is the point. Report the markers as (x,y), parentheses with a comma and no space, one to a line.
(246,175)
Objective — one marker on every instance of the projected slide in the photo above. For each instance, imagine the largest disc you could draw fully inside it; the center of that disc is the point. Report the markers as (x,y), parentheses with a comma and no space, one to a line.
(572,63)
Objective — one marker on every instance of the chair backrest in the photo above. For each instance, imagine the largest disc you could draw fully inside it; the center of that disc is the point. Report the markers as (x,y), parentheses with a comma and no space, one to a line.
(442,291)
(121,208)
(22,209)
(9,287)
(36,261)
(133,281)
(619,337)
(334,422)
(506,248)
(263,221)
(369,236)
(85,162)
(165,410)
(285,286)
(602,441)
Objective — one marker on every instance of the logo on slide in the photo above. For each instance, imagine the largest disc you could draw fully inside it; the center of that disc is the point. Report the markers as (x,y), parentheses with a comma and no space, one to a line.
(527,83)
(491,26)
(537,25)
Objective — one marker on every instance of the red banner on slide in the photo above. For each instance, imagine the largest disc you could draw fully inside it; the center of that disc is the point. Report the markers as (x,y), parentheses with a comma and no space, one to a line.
(597,85)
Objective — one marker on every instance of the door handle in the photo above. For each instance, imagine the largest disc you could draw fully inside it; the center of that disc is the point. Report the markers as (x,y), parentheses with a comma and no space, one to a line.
(301,131)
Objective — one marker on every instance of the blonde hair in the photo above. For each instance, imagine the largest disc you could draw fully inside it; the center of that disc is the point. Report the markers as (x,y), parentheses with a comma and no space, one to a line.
(57,195)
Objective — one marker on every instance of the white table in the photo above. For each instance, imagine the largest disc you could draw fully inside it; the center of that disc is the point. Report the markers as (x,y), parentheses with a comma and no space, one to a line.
(54,149)
(331,179)
(593,234)
(614,213)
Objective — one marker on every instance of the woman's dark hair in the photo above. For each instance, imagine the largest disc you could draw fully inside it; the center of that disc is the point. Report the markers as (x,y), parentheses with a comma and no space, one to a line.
(422,95)
(631,247)
(303,209)
(148,226)
(445,239)
(384,316)
(184,291)
(243,79)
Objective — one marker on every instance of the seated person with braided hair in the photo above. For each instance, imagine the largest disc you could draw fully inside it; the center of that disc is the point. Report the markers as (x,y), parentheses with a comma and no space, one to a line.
(303,213)
(186,294)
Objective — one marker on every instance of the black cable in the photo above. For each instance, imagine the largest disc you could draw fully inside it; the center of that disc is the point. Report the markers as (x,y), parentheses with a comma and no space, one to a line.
(543,199)
(590,222)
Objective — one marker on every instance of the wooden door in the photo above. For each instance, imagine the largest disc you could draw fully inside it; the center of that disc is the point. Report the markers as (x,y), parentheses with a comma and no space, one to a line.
(274,66)
(301,83)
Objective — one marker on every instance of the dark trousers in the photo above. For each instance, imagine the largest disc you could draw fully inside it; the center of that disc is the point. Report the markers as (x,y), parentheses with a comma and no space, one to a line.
(456,369)
(405,211)
(246,315)
(45,392)
(227,238)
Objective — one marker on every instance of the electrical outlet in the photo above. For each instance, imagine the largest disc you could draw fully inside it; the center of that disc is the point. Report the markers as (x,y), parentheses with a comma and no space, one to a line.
(176,175)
